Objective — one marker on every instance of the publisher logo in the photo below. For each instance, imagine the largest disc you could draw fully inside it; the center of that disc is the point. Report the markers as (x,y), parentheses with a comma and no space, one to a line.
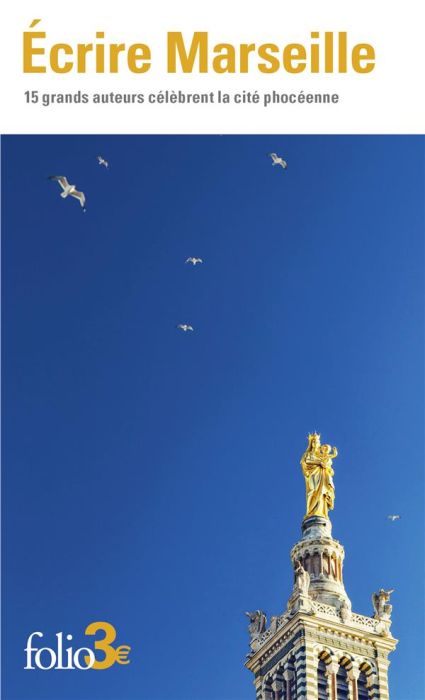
(102,655)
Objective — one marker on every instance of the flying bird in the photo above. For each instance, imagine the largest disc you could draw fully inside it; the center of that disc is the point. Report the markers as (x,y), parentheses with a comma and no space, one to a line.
(184,327)
(69,189)
(194,261)
(393,517)
(277,160)
(102,161)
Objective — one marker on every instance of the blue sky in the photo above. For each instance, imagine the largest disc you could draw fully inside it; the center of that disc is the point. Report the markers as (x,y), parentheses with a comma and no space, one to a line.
(151,478)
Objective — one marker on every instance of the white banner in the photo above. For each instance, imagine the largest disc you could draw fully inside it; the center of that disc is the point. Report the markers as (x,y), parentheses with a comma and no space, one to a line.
(310,67)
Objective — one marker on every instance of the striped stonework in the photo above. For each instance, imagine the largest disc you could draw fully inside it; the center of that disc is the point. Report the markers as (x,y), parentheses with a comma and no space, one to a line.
(310,661)
(373,686)
(353,674)
(286,667)
(278,685)
(382,664)
(331,672)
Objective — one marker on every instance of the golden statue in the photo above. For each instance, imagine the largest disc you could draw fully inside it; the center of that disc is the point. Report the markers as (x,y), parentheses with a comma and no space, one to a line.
(317,469)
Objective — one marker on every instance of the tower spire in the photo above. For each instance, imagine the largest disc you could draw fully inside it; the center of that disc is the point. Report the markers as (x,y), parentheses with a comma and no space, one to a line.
(318,649)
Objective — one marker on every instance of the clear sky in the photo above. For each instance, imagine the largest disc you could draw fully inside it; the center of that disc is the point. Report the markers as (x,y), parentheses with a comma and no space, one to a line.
(151,477)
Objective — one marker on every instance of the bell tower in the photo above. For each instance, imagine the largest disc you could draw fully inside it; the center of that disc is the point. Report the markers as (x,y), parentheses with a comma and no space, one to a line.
(319,649)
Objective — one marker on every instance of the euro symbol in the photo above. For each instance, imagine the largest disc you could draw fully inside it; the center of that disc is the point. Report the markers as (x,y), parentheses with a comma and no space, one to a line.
(121,654)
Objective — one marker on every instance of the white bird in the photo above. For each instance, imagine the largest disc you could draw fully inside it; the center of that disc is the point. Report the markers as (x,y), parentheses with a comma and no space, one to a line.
(69,189)
(393,517)
(184,327)
(277,160)
(102,161)
(194,261)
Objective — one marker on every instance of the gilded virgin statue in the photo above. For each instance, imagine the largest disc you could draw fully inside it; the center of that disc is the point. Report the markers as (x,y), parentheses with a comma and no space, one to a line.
(317,469)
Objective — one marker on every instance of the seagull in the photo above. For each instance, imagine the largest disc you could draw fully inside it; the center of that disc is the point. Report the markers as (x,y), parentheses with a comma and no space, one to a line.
(277,160)
(184,327)
(393,517)
(194,261)
(69,189)
(102,161)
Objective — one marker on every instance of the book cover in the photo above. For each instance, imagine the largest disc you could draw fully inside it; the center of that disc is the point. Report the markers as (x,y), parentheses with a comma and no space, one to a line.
(213,338)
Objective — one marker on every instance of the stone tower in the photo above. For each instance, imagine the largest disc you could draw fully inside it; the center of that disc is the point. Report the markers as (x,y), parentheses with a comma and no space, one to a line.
(318,649)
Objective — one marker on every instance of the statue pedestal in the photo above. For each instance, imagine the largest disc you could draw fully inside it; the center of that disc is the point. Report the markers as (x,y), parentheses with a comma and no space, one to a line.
(300,603)
(383,625)
(316,527)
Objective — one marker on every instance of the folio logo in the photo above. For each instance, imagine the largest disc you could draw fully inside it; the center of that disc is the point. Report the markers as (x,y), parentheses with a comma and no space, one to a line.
(46,658)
